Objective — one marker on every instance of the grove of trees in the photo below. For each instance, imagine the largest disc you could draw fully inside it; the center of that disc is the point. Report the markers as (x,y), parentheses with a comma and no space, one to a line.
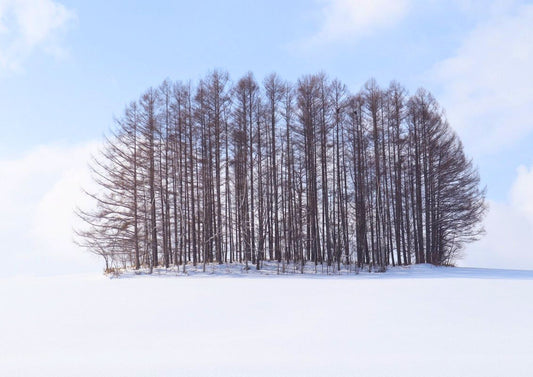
(296,173)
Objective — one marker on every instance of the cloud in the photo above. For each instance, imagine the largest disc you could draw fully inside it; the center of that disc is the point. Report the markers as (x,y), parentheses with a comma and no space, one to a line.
(487,90)
(522,192)
(509,225)
(353,19)
(488,85)
(27,26)
(37,197)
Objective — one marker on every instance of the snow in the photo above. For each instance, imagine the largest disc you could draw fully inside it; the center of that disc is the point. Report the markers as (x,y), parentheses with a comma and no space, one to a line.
(418,321)
(321,271)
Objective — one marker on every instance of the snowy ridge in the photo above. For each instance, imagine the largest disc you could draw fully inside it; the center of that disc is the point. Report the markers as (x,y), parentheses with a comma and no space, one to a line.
(310,271)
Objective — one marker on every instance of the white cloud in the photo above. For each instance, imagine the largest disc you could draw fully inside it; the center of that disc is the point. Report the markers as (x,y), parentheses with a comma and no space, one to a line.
(488,84)
(37,197)
(352,19)
(27,26)
(509,225)
(487,90)
(522,192)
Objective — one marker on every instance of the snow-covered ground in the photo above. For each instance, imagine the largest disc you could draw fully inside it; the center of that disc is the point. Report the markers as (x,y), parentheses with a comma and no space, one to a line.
(421,321)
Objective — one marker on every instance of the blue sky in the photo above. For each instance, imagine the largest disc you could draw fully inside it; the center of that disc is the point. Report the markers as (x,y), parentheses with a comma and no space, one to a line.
(67,67)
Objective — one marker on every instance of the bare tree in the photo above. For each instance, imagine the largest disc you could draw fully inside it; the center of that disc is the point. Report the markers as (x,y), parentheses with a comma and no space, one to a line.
(222,173)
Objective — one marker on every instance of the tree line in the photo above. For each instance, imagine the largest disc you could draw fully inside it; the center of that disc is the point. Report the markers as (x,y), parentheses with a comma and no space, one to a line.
(305,172)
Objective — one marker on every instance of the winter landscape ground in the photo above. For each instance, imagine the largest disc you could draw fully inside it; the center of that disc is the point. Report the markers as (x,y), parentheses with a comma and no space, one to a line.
(417,321)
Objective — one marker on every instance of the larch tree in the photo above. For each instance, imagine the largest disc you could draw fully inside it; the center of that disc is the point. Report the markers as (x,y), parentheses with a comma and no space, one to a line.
(288,173)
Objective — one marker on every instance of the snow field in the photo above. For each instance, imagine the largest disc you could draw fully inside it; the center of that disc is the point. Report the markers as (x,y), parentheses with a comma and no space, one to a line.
(407,322)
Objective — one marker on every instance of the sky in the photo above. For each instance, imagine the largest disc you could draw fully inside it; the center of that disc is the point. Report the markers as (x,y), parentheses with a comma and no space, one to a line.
(67,68)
